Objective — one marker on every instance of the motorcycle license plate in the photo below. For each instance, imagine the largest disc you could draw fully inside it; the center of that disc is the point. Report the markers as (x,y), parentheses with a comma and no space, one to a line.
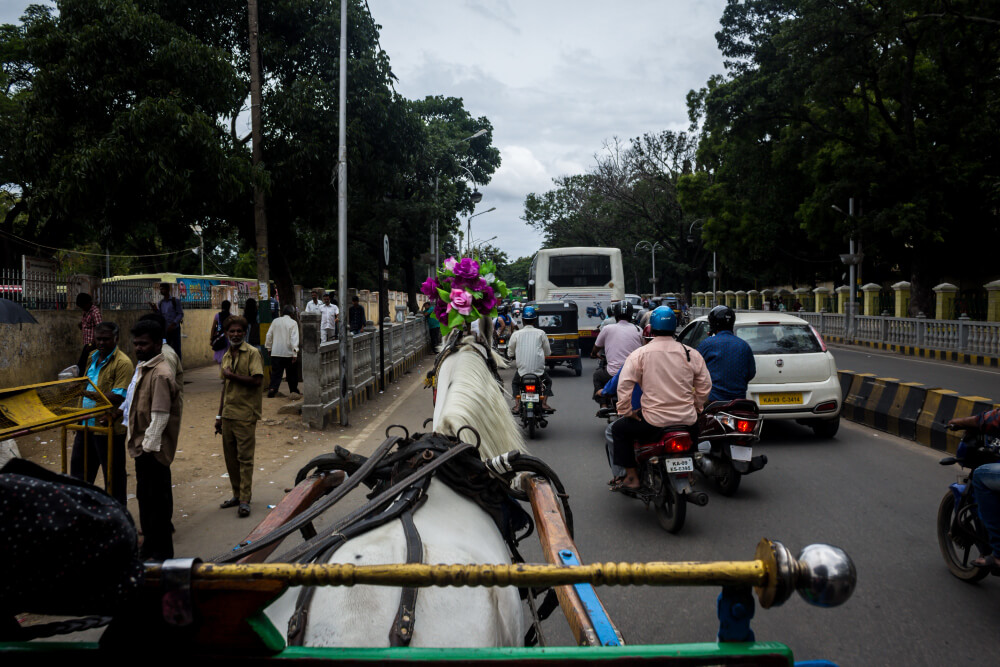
(741,453)
(680,465)
(529,398)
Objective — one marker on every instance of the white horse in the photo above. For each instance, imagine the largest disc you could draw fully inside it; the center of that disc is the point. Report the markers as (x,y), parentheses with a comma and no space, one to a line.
(453,530)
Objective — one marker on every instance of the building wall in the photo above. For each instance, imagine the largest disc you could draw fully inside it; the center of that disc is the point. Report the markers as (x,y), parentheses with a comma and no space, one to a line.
(33,353)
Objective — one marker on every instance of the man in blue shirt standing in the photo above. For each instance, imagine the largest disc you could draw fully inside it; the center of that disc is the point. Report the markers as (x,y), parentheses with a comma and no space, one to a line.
(173,313)
(729,359)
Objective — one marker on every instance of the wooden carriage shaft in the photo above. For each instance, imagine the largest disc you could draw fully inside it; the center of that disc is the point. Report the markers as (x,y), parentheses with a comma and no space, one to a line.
(719,573)
(555,538)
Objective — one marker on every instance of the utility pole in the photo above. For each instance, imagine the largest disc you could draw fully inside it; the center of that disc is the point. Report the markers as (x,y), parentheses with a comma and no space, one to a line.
(259,210)
(345,342)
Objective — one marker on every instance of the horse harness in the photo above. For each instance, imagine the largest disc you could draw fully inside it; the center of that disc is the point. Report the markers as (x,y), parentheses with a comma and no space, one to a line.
(399,480)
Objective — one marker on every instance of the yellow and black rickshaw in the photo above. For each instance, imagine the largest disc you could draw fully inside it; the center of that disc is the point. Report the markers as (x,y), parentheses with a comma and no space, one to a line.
(558,319)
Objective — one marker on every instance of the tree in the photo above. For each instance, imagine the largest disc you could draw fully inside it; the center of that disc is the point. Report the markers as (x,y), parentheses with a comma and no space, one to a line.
(515,273)
(110,128)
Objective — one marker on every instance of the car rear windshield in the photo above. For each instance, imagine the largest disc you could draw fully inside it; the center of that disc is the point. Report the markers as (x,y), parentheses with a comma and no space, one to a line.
(779,338)
(579,270)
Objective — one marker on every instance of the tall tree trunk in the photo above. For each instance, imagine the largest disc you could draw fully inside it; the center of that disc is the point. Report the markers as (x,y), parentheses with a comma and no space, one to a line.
(409,276)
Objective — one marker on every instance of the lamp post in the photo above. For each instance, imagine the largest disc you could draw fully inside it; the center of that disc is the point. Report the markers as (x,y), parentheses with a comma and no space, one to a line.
(651,247)
(851,259)
(714,273)
(479,245)
(201,245)
(468,223)
(437,243)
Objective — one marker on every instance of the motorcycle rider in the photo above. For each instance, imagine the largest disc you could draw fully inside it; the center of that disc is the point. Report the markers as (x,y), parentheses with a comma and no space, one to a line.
(527,347)
(729,358)
(610,389)
(618,341)
(675,383)
(986,485)
(502,325)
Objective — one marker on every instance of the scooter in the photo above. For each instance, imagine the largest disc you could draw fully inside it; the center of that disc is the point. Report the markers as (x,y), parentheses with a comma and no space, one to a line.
(666,468)
(961,534)
(727,431)
(532,415)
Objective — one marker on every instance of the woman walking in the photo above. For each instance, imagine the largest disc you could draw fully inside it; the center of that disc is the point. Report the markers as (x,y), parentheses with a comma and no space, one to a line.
(220,342)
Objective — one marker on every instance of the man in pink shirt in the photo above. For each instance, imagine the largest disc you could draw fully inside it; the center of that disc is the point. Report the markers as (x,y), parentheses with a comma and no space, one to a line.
(675,384)
(618,340)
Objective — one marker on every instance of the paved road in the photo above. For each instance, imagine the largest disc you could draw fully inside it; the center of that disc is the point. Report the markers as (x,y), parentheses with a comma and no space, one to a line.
(874,495)
(968,380)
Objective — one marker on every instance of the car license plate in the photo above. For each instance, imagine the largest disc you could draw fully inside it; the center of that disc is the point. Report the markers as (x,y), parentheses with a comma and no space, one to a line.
(529,398)
(781,398)
(680,465)
(741,453)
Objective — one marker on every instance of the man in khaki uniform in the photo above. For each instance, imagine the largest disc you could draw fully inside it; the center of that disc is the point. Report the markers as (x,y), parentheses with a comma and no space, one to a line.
(154,423)
(110,370)
(239,410)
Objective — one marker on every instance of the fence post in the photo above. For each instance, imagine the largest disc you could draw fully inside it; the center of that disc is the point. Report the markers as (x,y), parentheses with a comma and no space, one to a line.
(963,333)
(884,338)
(311,371)
(921,331)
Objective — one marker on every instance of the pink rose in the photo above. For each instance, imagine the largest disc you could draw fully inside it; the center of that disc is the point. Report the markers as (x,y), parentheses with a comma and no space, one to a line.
(449,264)
(461,301)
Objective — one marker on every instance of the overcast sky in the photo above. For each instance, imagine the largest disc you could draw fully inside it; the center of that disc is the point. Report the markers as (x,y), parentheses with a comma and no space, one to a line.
(555,77)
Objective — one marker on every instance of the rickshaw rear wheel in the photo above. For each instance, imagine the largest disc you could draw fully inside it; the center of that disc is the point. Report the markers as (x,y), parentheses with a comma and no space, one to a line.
(578,366)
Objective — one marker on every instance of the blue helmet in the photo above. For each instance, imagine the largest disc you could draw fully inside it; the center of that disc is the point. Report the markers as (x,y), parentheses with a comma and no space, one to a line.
(529,313)
(663,320)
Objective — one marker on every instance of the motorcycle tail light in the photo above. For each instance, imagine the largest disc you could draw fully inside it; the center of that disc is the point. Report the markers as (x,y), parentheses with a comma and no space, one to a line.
(530,388)
(744,426)
(678,443)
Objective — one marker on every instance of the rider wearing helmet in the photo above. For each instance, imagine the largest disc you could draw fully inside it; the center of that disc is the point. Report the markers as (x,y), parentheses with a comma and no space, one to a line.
(618,341)
(502,325)
(527,347)
(675,383)
(729,359)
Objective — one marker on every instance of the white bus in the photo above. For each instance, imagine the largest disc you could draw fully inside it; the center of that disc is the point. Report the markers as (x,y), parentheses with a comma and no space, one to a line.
(592,277)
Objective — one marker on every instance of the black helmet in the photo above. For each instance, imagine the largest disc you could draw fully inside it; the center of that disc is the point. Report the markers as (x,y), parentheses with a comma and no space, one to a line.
(721,318)
(622,310)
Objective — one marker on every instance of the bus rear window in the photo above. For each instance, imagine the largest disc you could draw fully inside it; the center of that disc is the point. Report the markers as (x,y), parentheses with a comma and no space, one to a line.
(579,270)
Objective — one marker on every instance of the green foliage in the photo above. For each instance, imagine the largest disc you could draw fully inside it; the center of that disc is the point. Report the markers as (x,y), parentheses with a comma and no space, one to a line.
(516,272)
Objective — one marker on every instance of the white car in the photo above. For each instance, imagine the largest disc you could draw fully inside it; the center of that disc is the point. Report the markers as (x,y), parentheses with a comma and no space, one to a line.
(796,375)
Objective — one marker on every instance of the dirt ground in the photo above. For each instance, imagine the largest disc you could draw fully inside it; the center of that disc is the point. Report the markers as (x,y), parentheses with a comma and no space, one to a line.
(284,444)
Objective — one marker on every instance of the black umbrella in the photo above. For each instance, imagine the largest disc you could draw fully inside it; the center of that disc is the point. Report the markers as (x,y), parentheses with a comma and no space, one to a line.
(13,313)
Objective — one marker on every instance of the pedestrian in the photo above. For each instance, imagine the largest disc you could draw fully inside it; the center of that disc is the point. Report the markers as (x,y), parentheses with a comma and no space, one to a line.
(239,411)
(88,322)
(219,341)
(329,317)
(433,326)
(250,315)
(173,313)
(110,370)
(282,342)
(356,316)
(154,422)
(314,304)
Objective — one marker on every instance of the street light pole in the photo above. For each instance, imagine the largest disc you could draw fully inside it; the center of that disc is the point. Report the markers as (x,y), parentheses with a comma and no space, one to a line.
(345,343)
(651,247)
(201,245)
(714,273)
(437,240)
(852,260)
(468,223)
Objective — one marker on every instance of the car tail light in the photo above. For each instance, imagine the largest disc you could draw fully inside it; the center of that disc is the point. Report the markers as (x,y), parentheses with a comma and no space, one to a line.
(530,388)
(744,426)
(678,442)
(829,406)
(822,343)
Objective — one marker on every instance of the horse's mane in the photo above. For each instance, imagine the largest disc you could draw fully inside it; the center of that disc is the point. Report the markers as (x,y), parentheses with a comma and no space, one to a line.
(474,398)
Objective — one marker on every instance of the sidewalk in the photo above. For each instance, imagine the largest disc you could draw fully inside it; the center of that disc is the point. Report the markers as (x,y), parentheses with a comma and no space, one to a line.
(284,445)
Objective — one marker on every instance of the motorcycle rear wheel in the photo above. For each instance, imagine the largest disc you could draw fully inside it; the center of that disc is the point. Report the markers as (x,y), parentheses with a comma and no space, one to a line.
(729,481)
(671,507)
(956,556)
(531,428)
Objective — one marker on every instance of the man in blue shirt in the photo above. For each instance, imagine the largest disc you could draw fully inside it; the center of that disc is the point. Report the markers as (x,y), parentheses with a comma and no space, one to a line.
(172,311)
(729,359)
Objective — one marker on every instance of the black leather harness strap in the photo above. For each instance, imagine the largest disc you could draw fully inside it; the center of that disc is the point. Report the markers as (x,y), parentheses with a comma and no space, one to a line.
(401,632)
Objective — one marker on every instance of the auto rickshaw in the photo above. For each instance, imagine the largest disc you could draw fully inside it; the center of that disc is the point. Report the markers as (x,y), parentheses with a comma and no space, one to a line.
(558,319)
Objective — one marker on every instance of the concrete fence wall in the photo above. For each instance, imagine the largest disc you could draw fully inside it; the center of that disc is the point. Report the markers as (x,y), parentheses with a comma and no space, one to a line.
(33,353)
(404,343)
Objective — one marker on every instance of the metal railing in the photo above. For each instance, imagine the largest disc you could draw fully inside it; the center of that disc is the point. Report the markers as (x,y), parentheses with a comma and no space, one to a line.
(961,335)
(35,290)
(405,342)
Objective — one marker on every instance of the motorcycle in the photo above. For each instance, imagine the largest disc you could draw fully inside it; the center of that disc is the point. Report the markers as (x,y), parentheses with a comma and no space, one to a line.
(500,344)
(532,415)
(666,468)
(727,431)
(959,528)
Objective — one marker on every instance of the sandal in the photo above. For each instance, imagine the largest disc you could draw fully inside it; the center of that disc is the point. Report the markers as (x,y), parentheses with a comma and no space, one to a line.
(615,480)
(991,561)
(232,502)
(515,411)
(622,486)
(244,510)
